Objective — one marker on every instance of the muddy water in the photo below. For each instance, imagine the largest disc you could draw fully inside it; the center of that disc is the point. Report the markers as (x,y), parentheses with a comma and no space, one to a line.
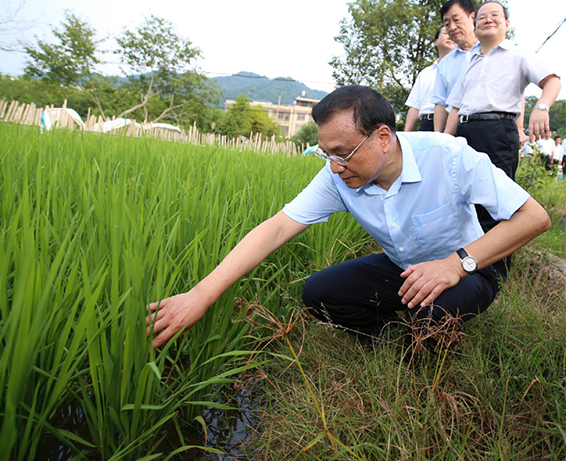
(229,431)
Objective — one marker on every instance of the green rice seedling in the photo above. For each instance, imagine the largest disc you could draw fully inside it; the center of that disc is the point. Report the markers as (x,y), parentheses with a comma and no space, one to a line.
(92,229)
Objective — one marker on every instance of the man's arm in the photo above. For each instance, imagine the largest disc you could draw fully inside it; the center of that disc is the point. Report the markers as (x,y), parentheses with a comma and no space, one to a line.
(440,116)
(426,281)
(183,311)
(412,117)
(523,138)
(452,123)
(539,121)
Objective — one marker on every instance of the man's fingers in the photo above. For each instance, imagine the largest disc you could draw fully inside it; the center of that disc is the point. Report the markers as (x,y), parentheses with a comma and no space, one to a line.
(162,338)
(152,317)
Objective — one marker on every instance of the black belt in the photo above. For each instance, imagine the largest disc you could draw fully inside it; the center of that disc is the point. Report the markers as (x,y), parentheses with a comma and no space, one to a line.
(487,116)
(427,116)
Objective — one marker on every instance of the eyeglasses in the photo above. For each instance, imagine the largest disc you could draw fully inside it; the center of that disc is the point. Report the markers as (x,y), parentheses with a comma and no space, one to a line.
(342,161)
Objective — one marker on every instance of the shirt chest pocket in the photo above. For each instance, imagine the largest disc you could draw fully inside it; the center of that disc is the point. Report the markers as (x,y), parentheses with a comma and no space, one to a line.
(437,229)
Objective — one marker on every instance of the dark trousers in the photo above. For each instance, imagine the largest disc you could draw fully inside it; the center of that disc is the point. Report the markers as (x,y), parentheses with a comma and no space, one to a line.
(360,295)
(427,125)
(499,139)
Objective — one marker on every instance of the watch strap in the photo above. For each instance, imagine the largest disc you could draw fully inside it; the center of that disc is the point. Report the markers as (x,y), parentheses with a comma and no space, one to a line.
(462,253)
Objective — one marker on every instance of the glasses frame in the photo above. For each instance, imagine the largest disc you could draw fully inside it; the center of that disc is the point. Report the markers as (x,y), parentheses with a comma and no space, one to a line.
(341,161)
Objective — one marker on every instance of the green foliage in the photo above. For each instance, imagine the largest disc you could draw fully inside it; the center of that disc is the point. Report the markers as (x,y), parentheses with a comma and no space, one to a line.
(308,134)
(71,61)
(557,115)
(531,174)
(160,87)
(243,118)
(159,61)
(387,43)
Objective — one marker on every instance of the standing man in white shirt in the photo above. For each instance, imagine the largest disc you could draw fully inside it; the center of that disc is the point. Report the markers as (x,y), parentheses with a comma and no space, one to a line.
(458,17)
(557,151)
(487,98)
(419,102)
(546,145)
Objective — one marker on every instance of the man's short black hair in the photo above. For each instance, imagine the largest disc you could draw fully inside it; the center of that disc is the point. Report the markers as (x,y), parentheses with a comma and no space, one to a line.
(467,5)
(370,108)
(499,3)
(437,33)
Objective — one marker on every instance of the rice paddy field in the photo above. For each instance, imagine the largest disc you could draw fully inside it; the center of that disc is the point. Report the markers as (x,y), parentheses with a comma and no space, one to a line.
(93,228)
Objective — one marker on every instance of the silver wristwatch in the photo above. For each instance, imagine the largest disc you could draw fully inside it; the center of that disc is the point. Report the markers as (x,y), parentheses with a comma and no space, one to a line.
(542,106)
(469,263)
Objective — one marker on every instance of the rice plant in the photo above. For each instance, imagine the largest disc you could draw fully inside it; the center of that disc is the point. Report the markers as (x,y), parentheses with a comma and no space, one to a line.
(92,229)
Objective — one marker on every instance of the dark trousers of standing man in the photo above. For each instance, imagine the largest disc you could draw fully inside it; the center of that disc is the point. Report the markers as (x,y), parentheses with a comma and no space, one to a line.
(499,139)
(361,295)
(427,122)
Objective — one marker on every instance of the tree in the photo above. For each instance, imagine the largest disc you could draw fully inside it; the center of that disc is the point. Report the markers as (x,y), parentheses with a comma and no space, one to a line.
(10,24)
(71,61)
(243,118)
(159,73)
(387,43)
(262,123)
(308,134)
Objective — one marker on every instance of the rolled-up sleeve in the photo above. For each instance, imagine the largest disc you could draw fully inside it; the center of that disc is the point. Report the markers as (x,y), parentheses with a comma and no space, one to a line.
(480,182)
(317,201)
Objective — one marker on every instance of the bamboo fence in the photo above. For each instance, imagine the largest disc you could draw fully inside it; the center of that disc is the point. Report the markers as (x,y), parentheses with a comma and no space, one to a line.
(30,114)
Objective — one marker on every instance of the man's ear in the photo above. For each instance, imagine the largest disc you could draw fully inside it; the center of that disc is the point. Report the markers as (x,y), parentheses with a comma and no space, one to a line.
(384,137)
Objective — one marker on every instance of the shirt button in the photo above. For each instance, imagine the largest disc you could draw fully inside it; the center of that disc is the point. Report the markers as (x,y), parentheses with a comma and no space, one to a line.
(401,249)
(393,225)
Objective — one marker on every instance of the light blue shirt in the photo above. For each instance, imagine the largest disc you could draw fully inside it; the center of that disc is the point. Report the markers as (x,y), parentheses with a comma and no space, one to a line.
(428,212)
(448,72)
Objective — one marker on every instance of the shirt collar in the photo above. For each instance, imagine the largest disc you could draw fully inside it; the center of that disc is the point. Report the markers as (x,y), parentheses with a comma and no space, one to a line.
(473,48)
(505,44)
(409,174)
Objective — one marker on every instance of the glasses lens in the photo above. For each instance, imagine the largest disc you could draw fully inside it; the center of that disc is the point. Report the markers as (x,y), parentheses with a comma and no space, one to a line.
(338,160)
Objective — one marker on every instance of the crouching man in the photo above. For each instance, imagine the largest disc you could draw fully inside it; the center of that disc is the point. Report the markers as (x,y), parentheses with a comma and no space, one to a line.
(414,193)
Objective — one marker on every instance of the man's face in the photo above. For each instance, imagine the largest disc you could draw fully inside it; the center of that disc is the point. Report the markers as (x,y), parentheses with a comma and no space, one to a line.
(532,138)
(340,136)
(443,42)
(557,141)
(459,25)
(548,135)
(491,23)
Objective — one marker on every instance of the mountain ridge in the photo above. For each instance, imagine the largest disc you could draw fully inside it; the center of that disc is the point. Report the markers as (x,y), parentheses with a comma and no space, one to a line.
(261,88)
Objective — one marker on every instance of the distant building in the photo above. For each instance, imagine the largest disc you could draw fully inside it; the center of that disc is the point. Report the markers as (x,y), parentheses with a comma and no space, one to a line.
(289,118)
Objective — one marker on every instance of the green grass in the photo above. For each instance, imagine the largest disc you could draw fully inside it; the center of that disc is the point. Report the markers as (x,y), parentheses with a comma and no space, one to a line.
(92,228)
(499,394)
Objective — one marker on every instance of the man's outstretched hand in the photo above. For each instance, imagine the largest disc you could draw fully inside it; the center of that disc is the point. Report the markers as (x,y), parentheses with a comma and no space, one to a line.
(180,312)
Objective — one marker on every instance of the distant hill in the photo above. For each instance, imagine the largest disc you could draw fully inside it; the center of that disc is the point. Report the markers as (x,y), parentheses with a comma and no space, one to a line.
(261,88)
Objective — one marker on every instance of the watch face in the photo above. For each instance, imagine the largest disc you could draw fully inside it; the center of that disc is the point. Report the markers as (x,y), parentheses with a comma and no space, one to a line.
(469,264)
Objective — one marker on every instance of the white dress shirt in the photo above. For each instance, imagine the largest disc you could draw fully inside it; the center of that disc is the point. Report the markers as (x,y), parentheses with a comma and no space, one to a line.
(420,95)
(495,82)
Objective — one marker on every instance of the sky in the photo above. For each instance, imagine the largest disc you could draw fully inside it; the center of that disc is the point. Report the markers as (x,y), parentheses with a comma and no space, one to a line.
(294,38)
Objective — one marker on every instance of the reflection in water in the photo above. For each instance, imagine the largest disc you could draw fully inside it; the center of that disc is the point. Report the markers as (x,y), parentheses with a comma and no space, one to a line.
(229,431)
